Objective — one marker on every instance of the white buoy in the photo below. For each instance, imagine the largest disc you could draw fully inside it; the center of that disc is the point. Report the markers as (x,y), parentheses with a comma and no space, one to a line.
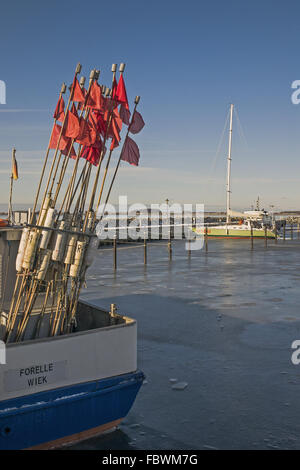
(44,264)
(46,234)
(30,251)
(21,250)
(60,243)
(71,244)
(78,259)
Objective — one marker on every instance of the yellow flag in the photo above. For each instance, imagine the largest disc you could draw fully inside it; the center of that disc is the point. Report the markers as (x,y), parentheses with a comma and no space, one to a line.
(14,169)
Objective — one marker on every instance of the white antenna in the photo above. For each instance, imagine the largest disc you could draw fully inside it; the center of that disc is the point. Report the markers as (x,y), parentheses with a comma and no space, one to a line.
(229,166)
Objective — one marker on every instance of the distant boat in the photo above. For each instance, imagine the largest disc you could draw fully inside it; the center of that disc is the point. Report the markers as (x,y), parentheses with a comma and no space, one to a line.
(256,223)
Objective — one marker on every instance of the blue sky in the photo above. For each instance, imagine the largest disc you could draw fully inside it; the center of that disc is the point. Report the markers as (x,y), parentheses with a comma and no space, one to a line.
(188,61)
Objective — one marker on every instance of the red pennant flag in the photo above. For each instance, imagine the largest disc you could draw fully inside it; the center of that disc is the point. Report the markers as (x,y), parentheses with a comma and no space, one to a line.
(72,127)
(130,153)
(95,97)
(64,144)
(80,105)
(59,110)
(87,133)
(137,123)
(91,154)
(121,95)
(124,114)
(115,126)
(114,88)
(78,94)
(100,123)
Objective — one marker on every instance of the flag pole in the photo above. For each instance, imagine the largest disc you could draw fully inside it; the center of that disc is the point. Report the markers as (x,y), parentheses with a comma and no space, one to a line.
(92,198)
(136,102)
(10,212)
(121,70)
(77,71)
(62,91)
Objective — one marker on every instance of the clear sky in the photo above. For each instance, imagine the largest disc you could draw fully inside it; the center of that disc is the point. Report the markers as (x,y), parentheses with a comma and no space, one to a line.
(188,60)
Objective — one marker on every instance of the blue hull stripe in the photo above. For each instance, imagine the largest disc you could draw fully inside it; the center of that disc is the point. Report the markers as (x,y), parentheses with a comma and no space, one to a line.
(47,416)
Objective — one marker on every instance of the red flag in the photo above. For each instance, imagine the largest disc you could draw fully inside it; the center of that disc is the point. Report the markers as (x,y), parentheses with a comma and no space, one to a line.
(91,154)
(121,95)
(137,123)
(114,88)
(78,94)
(100,123)
(95,97)
(80,105)
(87,133)
(72,127)
(59,110)
(130,153)
(124,114)
(64,144)
(115,126)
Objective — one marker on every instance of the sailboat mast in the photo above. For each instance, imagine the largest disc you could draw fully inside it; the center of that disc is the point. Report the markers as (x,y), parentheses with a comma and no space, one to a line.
(229,166)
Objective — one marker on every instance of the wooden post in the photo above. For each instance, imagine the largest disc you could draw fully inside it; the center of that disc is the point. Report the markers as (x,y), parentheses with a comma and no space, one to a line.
(170,249)
(145,250)
(115,253)
(292,231)
(275,231)
(206,241)
(251,236)
(298,233)
(266,237)
(189,250)
(284,231)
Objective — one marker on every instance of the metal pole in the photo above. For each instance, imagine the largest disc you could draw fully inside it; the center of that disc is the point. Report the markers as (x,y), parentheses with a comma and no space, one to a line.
(229,166)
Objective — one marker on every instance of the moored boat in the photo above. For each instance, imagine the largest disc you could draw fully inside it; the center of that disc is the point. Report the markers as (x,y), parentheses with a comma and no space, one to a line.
(62,389)
(256,224)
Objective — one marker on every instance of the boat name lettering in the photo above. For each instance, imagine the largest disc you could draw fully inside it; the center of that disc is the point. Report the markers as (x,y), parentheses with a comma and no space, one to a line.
(37,369)
(34,376)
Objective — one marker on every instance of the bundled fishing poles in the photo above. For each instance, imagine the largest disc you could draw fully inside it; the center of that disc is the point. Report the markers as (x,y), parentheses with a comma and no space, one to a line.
(57,247)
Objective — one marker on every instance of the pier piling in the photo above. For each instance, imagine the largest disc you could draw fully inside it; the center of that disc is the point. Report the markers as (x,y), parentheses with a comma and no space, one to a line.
(115,254)
(266,237)
(251,237)
(206,240)
(145,250)
(170,249)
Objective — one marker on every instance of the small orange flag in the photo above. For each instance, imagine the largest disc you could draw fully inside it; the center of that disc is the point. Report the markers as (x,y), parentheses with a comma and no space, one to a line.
(14,170)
